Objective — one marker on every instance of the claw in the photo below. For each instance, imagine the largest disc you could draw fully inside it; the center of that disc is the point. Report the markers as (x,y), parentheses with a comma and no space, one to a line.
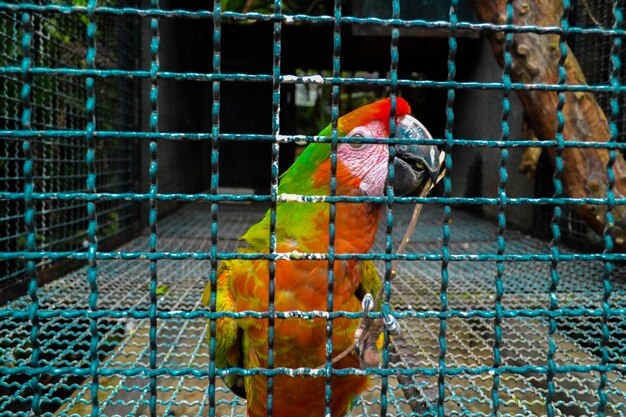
(369,330)
(392,325)
(367,304)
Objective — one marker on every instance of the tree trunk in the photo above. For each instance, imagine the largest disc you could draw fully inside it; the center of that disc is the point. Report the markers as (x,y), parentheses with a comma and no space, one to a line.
(535,60)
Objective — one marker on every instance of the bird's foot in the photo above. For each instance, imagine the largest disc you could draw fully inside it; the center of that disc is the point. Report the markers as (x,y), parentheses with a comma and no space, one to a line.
(368,334)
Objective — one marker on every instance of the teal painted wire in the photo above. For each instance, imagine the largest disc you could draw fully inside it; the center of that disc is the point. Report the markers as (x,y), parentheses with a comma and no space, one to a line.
(215,138)
(92,269)
(193,314)
(80,196)
(29,209)
(393,91)
(447,211)
(293,79)
(616,65)
(504,155)
(180,136)
(153,216)
(556,217)
(275,152)
(323,19)
(415,256)
(204,373)
(332,209)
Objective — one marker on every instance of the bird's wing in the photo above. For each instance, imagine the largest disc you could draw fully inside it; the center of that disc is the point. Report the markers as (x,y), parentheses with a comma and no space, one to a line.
(228,337)
(370,281)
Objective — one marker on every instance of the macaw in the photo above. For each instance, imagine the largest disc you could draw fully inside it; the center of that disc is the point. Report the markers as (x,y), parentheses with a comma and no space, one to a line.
(242,285)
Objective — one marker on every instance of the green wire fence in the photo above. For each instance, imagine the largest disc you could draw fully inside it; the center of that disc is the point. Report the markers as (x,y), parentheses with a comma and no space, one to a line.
(494,321)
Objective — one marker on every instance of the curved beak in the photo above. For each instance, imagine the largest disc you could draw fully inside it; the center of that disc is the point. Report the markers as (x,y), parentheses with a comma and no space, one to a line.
(414,164)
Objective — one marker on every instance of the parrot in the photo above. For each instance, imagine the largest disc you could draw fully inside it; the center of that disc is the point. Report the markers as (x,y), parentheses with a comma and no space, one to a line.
(302,285)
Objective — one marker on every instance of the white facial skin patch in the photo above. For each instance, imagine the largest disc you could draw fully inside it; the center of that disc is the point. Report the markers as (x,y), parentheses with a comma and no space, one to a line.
(367,161)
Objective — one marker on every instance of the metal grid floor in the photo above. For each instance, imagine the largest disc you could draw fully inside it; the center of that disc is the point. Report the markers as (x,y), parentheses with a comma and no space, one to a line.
(123,286)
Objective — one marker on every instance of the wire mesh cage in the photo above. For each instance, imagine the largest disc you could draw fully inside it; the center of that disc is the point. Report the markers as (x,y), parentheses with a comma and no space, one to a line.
(122,115)
(58,103)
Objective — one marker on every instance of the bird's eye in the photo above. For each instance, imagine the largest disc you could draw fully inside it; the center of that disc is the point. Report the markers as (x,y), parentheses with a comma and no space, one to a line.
(419,166)
(356,145)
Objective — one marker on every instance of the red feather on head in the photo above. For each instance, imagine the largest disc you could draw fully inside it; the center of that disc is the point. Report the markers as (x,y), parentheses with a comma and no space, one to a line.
(378,110)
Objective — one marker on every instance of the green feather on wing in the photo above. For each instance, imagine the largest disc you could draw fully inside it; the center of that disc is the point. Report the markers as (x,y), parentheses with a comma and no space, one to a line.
(228,338)
(370,281)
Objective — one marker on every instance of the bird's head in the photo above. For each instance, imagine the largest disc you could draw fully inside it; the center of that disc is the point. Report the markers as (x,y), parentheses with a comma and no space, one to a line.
(363,167)
(413,165)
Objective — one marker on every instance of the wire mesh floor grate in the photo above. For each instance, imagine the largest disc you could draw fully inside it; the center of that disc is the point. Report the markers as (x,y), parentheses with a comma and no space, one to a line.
(124,342)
